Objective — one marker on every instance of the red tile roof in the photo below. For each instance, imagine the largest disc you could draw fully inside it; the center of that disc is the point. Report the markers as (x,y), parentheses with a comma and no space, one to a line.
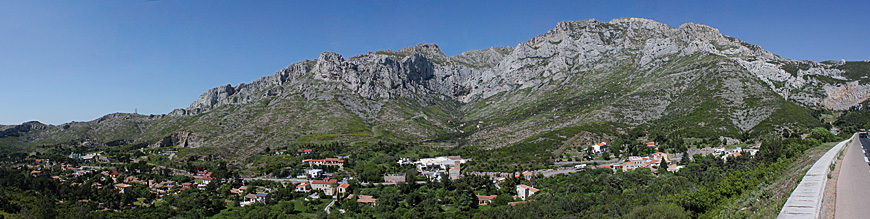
(486,197)
(533,189)
(515,203)
(331,181)
(366,199)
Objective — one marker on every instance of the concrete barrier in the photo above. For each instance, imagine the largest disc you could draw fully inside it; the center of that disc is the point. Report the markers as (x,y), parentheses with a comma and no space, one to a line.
(806,200)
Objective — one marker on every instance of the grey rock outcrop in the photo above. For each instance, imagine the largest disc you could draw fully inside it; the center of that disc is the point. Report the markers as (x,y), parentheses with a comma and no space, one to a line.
(423,72)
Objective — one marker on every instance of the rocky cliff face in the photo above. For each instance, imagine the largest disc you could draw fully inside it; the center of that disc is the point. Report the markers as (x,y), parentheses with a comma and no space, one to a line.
(418,71)
(632,72)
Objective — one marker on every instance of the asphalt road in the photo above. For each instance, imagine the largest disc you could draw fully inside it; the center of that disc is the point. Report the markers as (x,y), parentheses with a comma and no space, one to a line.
(853,184)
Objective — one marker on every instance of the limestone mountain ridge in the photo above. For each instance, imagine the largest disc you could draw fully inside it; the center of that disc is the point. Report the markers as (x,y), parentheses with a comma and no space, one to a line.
(623,74)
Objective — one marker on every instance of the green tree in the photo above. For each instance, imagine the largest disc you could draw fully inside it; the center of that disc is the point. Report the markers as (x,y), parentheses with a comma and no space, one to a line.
(502,199)
(662,211)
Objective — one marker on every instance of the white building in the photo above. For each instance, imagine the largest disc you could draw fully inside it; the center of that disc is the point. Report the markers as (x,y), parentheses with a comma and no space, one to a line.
(524,191)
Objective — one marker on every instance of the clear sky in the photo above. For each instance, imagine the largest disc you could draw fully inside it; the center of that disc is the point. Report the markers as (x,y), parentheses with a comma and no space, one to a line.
(64,61)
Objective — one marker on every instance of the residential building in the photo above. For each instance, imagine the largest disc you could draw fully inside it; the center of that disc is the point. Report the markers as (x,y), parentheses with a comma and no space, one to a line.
(367,199)
(324,162)
(485,199)
(248,199)
(454,173)
(122,187)
(528,175)
(515,203)
(524,191)
(394,178)
(315,173)
(598,148)
(207,178)
(324,185)
(661,156)
(264,197)
(629,166)
(343,188)
(638,160)
(303,187)
(303,151)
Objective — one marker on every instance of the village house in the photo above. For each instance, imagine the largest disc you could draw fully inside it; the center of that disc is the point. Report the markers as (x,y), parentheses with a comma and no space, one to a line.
(394,178)
(342,189)
(281,152)
(303,187)
(638,160)
(303,152)
(239,191)
(248,199)
(515,203)
(485,199)
(367,199)
(315,173)
(653,164)
(324,185)
(403,161)
(528,175)
(264,197)
(454,173)
(207,178)
(324,162)
(122,187)
(439,163)
(433,168)
(652,145)
(524,191)
(600,147)
(674,168)
(186,186)
(660,156)
(628,166)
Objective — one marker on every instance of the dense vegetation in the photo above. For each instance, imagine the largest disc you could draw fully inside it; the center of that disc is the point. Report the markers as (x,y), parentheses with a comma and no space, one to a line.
(697,191)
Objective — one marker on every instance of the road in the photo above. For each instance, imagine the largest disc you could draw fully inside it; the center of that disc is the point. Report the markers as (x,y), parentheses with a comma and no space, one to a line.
(853,184)
(329,206)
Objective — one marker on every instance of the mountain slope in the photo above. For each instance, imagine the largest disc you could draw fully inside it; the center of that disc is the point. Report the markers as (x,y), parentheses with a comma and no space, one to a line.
(628,73)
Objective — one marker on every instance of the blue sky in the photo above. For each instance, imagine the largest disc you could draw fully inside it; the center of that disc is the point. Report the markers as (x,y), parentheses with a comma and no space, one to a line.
(64,61)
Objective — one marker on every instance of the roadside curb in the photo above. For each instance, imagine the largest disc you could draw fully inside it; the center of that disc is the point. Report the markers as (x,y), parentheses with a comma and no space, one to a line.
(806,200)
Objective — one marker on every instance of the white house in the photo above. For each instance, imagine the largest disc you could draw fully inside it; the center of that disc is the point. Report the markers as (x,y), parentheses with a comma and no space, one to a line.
(524,191)
(598,148)
(315,173)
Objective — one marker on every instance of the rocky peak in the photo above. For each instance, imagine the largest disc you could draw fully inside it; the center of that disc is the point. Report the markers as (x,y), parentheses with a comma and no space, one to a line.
(570,47)
(330,57)
(429,50)
(483,58)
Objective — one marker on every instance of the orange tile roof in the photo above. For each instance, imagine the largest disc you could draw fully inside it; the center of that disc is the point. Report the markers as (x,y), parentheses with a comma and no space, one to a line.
(486,197)
(515,203)
(331,181)
(366,199)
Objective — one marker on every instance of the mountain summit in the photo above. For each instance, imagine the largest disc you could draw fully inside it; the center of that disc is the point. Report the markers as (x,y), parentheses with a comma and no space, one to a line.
(625,74)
